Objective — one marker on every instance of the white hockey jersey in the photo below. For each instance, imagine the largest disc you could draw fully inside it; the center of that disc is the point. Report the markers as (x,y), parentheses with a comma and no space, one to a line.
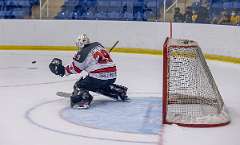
(94,59)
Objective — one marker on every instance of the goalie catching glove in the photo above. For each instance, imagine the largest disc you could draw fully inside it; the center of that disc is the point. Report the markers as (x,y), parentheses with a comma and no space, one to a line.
(56,67)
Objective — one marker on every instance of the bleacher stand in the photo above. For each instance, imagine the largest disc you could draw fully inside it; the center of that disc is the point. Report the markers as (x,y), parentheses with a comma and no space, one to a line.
(201,11)
(138,10)
(226,6)
(16,9)
(217,6)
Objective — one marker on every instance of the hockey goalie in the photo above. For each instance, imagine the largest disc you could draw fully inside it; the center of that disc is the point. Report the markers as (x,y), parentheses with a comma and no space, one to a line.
(93,58)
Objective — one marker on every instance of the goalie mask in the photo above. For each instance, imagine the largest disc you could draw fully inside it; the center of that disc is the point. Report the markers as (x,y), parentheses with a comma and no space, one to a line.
(81,41)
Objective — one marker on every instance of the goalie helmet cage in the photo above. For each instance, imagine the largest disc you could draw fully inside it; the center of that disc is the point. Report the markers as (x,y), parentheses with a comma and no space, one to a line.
(190,95)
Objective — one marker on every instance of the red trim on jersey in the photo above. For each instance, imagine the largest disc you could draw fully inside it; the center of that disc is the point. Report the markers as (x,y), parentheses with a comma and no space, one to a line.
(108,69)
(68,70)
(78,70)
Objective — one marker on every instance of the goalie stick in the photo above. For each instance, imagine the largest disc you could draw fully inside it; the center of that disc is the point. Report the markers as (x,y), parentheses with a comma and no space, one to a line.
(64,94)
(114,45)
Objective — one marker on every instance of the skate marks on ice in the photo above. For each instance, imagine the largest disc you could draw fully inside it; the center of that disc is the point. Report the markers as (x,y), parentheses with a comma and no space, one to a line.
(137,121)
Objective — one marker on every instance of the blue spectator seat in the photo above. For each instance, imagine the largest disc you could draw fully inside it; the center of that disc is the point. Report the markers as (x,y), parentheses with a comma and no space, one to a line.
(128,16)
(228,5)
(103,3)
(89,15)
(217,5)
(24,3)
(114,15)
(2,14)
(2,5)
(102,15)
(19,13)
(151,4)
(75,15)
(115,3)
(34,2)
(91,3)
(16,8)
(216,8)
(236,5)
(108,9)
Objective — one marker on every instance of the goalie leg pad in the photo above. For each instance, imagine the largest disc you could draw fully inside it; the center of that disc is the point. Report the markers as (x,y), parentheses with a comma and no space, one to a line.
(104,87)
(120,90)
(115,91)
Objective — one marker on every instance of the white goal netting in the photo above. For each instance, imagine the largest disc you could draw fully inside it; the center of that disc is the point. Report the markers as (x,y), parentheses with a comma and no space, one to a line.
(191,94)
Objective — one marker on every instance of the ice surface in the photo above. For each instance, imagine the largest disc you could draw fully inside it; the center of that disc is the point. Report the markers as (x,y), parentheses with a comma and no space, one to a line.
(31,111)
(139,115)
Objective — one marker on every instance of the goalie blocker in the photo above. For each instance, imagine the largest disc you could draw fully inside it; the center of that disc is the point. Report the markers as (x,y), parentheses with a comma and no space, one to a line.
(102,72)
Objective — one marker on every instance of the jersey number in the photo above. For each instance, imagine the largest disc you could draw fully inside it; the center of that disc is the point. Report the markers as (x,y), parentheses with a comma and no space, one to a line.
(102,56)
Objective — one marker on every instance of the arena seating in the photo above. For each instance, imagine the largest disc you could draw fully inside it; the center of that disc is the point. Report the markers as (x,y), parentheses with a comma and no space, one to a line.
(16,9)
(229,5)
(109,9)
(127,10)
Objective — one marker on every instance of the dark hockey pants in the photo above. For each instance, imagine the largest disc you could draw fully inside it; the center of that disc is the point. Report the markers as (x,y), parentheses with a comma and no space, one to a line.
(104,87)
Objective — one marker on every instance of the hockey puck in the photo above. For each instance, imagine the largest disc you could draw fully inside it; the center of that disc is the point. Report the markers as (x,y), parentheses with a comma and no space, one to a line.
(34,61)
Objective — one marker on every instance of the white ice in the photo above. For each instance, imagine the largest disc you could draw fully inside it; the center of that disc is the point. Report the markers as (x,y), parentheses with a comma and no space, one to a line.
(29,106)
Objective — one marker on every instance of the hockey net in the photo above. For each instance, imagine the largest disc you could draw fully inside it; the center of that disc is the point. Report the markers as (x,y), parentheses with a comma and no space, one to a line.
(190,95)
